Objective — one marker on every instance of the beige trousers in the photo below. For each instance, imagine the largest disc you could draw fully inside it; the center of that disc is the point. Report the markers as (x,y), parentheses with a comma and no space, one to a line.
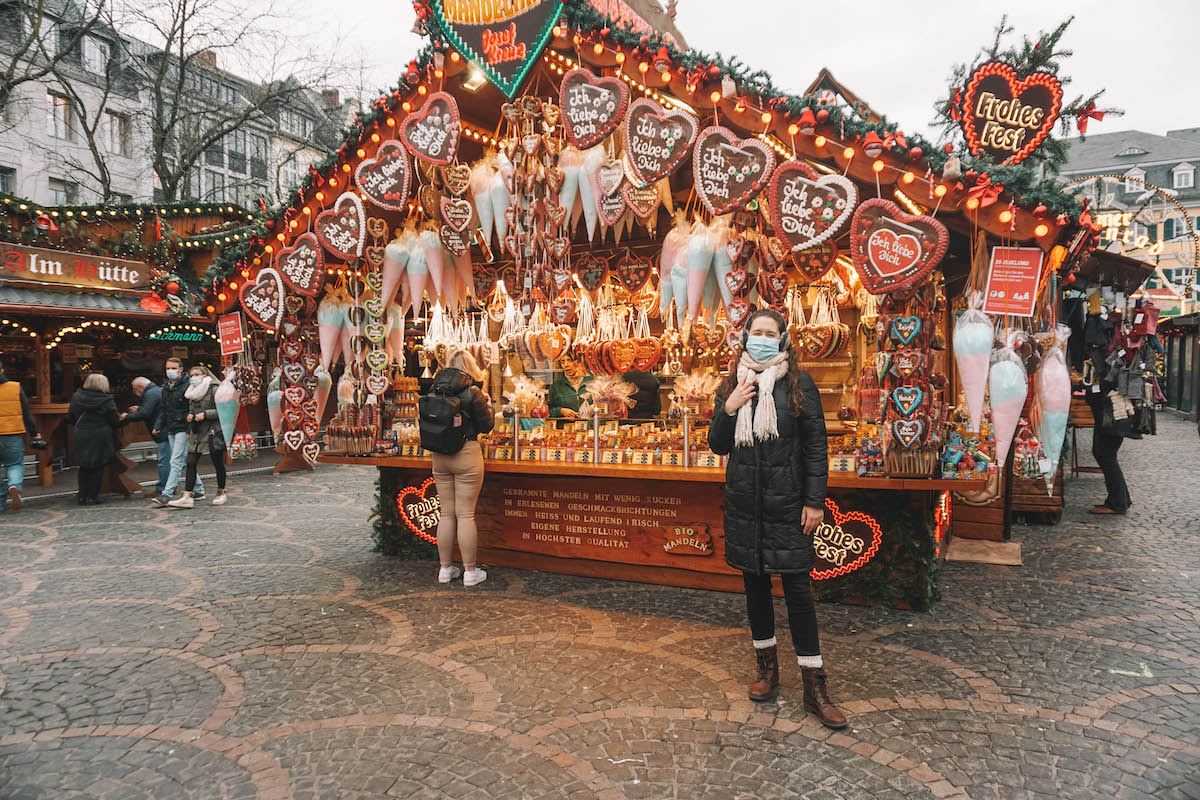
(459,478)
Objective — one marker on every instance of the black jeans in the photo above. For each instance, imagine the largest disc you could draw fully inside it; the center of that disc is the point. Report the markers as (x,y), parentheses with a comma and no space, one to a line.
(218,459)
(90,479)
(1104,449)
(802,613)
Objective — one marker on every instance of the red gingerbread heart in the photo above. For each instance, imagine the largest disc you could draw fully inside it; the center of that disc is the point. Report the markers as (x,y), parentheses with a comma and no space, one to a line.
(656,141)
(385,179)
(892,250)
(431,134)
(302,265)
(729,172)
(342,229)
(1007,117)
(263,300)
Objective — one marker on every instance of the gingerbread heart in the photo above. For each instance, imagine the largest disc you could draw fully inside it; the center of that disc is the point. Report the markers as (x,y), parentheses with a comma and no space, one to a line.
(302,266)
(656,141)
(385,179)
(374,331)
(262,300)
(592,107)
(906,363)
(310,452)
(431,134)
(908,432)
(807,209)
(293,439)
(907,399)
(729,172)
(562,309)
(290,348)
(377,360)
(814,262)
(310,361)
(905,329)
(633,273)
(893,250)
(374,307)
(593,272)
(455,241)
(456,213)
(622,353)
(375,281)
(484,279)
(644,201)
(555,214)
(457,179)
(735,282)
(1033,105)
(294,395)
(342,229)
(736,312)
(292,304)
(377,383)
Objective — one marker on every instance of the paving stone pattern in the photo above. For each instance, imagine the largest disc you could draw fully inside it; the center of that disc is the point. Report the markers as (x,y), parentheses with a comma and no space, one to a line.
(261,650)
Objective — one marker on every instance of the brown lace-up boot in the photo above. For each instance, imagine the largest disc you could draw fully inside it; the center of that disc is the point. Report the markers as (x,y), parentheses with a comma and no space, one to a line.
(817,700)
(766,684)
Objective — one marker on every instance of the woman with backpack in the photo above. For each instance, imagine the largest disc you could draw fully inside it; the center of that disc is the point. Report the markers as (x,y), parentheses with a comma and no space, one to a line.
(768,419)
(453,415)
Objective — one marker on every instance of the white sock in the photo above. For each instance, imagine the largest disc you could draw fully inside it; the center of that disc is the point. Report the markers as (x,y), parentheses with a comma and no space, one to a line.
(810,662)
(763,644)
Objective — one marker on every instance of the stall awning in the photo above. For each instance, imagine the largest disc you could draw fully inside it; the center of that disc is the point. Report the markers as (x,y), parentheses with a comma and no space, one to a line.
(1123,273)
(22,299)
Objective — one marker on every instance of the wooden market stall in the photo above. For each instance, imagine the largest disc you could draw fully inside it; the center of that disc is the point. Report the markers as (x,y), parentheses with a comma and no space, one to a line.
(545,186)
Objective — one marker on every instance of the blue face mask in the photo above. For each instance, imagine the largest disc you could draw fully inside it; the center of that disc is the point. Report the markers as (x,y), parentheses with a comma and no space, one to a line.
(195,380)
(762,348)
(172,374)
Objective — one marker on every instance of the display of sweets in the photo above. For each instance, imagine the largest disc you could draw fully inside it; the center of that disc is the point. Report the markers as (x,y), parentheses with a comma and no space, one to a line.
(968,454)
(869,462)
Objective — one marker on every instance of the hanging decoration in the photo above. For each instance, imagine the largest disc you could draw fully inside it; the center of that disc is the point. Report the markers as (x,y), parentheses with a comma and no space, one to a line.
(592,107)
(302,266)
(262,300)
(1007,117)
(657,141)
(384,180)
(729,172)
(808,210)
(342,229)
(431,134)
(892,250)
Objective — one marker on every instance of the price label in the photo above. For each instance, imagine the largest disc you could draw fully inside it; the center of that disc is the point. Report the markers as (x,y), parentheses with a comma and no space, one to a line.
(672,458)
(531,454)
(504,453)
(612,456)
(642,457)
(583,457)
(410,450)
(556,454)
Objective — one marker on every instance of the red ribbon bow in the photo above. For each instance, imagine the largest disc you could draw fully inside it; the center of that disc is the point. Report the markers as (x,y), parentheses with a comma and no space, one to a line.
(1088,112)
(954,107)
(895,139)
(985,191)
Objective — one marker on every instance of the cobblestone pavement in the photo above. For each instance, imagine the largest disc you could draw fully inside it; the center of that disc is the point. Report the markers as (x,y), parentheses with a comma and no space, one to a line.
(261,650)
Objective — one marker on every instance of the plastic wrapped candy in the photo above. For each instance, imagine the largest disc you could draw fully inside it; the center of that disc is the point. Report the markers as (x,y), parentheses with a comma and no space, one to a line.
(226,399)
(1052,401)
(1007,387)
(973,336)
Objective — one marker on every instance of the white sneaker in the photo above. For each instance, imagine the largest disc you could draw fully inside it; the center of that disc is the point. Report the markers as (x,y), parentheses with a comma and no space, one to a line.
(475,576)
(447,574)
(184,501)
(221,498)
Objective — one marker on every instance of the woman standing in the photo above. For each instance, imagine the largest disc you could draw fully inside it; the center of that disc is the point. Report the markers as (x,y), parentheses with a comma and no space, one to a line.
(94,414)
(768,418)
(565,393)
(459,475)
(204,436)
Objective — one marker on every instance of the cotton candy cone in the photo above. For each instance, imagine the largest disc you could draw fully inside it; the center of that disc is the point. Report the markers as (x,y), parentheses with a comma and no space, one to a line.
(331,315)
(1007,387)
(973,336)
(1052,385)
(587,194)
(226,399)
(501,200)
(481,180)
(394,334)
(679,284)
(395,261)
(699,262)
(570,161)
(418,276)
(275,412)
(672,243)
(722,266)
(434,258)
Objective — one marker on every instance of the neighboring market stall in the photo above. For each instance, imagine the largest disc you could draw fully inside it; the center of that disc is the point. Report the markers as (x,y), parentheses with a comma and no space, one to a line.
(566,197)
(103,289)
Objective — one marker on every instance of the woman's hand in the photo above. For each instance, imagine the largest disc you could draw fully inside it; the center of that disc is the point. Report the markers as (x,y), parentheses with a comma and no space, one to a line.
(569,414)
(741,394)
(811,517)
(191,417)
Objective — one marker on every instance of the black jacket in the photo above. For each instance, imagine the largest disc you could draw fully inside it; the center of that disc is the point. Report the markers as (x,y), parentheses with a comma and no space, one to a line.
(768,484)
(477,406)
(94,415)
(647,400)
(147,411)
(173,407)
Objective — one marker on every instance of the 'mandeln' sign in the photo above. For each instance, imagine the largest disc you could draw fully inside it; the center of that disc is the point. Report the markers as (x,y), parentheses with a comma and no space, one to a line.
(77,269)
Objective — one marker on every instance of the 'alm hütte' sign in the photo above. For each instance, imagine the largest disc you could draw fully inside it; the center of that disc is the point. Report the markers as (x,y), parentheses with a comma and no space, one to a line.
(76,269)
(1009,117)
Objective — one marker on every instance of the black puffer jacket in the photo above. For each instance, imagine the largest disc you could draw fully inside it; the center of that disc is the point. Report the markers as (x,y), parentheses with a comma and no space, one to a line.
(767,485)
(94,415)
(477,406)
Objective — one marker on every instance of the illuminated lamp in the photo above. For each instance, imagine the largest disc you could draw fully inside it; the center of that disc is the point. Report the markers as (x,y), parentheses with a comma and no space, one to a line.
(715,96)
(972,203)
(848,152)
(877,166)
(222,297)
(908,177)
(819,141)
(233,286)
(407,106)
(210,309)
(1006,216)
(391,122)
(279,236)
(375,137)
(620,57)
(793,129)
(557,31)
(345,167)
(766,117)
(643,67)
(320,196)
(940,190)
(422,89)
(473,83)
(455,57)
(597,48)
(360,153)
(1042,230)
(333,182)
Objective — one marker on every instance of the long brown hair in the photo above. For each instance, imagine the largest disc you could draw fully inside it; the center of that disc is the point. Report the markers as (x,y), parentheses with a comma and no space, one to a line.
(795,389)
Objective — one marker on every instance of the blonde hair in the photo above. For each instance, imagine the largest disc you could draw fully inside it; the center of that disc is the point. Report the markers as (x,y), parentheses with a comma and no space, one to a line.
(462,359)
(96,380)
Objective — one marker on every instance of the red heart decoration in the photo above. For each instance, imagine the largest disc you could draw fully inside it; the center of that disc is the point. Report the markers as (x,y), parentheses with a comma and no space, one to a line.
(644,200)
(290,348)
(814,262)
(563,309)
(633,273)
(805,209)
(310,361)
(735,281)
(737,311)
(988,113)
(342,229)
(420,509)
(656,141)
(592,107)
(484,278)
(893,250)
(385,179)
(457,213)
(294,395)
(431,134)
(734,248)
(302,265)
(728,171)
(843,542)
(263,300)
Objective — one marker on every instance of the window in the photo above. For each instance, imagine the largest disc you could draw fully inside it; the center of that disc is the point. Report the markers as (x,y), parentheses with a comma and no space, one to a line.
(258,157)
(289,175)
(1183,177)
(1132,151)
(229,93)
(214,189)
(237,152)
(1133,181)
(8,180)
(295,125)
(116,133)
(214,154)
(122,199)
(62,193)
(96,55)
(59,117)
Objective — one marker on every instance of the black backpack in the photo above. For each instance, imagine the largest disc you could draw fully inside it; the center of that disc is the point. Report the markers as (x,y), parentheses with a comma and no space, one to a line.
(443,428)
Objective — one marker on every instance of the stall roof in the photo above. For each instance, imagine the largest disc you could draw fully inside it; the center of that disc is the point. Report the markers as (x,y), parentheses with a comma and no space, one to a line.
(1122,272)
(23,299)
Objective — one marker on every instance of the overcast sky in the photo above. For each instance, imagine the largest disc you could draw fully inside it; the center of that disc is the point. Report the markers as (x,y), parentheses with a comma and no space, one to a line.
(897,56)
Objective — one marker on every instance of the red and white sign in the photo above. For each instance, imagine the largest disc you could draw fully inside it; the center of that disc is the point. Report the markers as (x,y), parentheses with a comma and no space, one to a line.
(892,252)
(231,333)
(1013,280)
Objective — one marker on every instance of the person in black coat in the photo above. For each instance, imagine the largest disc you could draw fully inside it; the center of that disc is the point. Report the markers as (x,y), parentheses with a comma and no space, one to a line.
(94,414)
(768,420)
(647,400)
(459,476)
(149,400)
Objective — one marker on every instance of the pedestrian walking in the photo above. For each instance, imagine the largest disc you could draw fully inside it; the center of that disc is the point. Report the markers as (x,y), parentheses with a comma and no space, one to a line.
(150,398)
(453,414)
(204,436)
(16,420)
(172,423)
(768,419)
(93,412)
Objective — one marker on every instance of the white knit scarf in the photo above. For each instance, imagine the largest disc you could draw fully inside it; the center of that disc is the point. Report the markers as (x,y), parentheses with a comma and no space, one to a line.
(763,422)
(199,390)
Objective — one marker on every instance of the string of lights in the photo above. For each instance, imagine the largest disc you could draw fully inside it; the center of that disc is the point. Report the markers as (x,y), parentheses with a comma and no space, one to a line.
(83,326)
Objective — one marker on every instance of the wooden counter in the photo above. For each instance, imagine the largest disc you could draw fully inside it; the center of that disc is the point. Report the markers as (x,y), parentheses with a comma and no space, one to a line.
(841,480)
